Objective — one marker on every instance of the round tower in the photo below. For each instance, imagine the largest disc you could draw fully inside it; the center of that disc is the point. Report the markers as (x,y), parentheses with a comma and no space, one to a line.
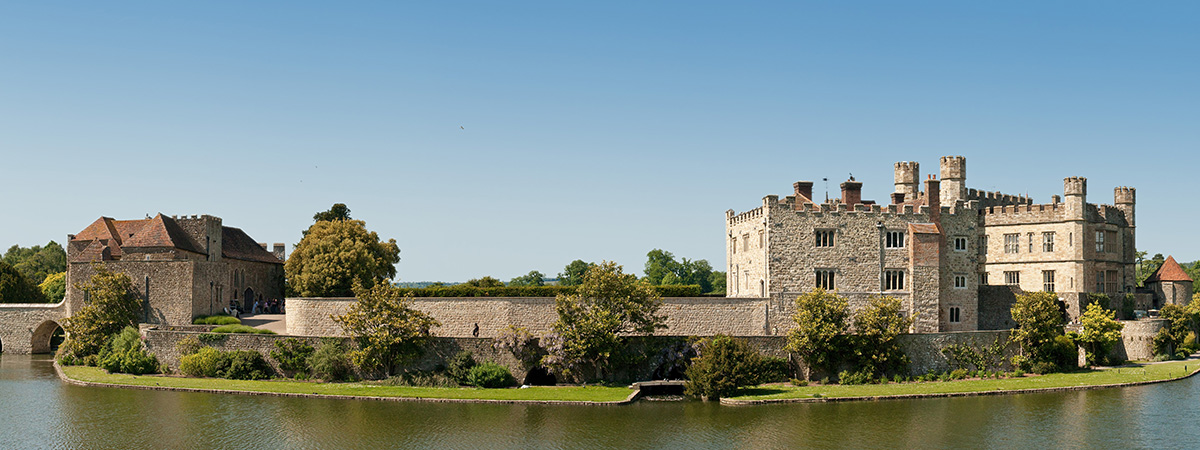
(908,179)
(954,179)
(1125,197)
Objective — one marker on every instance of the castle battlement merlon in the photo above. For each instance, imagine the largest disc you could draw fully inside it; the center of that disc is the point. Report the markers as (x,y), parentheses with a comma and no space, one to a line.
(743,217)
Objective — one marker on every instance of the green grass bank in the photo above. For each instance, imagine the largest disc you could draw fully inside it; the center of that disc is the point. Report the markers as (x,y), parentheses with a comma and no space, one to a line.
(572,394)
(1104,377)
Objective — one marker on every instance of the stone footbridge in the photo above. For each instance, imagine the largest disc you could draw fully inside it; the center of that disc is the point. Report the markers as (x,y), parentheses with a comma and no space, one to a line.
(29,327)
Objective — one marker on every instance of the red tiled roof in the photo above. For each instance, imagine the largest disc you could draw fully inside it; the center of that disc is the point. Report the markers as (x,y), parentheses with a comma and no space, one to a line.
(236,244)
(924,228)
(161,231)
(1169,271)
(105,237)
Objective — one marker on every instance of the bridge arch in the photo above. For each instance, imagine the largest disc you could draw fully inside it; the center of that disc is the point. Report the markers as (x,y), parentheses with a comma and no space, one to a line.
(46,337)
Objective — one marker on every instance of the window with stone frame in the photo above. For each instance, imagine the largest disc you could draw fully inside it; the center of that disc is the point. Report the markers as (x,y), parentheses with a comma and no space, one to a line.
(1110,284)
(1100,242)
(746,242)
(1012,277)
(825,238)
(983,279)
(960,281)
(894,239)
(1110,238)
(1030,242)
(760,239)
(1048,241)
(1100,281)
(960,244)
(735,279)
(825,279)
(735,246)
(893,280)
(955,314)
(1012,243)
(1048,280)
(983,244)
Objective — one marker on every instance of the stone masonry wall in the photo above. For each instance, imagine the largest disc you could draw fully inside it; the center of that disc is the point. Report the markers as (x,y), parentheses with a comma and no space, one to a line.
(1137,339)
(27,327)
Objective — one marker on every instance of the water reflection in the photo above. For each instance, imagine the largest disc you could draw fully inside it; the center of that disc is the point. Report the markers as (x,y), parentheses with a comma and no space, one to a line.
(41,412)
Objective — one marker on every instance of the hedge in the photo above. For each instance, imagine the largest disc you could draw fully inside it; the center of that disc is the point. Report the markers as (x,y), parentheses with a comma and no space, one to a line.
(531,291)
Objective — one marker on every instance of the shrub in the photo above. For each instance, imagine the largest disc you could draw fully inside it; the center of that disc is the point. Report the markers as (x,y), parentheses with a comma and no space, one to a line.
(218,319)
(724,365)
(958,374)
(490,375)
(206,362)
(1040,322)
(292,355)
(520,342)
(773,370)
(459,368)
(419,379)
(330,361)
(821,324)
(241,329)
(861,376)
(798,382)
(188,345)
(246,365)
(1100,333)
(125,354)
(1064,354)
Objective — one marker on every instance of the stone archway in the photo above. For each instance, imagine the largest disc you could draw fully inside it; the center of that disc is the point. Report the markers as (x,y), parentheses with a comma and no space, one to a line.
(46,337)
(539,376)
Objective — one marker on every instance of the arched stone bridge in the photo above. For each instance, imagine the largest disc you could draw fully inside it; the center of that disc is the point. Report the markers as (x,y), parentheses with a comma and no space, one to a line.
(28,327)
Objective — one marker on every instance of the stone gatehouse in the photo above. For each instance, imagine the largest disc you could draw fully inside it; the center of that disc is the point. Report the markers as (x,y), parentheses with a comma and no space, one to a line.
(933,248)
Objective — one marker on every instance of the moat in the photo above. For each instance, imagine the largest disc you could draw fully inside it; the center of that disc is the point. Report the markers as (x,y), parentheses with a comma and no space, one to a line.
(40,411)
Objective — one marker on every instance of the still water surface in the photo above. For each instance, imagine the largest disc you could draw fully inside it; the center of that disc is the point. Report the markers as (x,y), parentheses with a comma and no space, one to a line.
(37,410)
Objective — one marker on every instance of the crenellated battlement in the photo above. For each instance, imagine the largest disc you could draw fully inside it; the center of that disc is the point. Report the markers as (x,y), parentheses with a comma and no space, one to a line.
(953,168)
(1075,186)
(1124,195)
(990,199)
(753,214)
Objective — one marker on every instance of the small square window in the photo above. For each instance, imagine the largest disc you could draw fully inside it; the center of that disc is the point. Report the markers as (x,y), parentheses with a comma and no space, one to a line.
(955,314)
(960,244)
(895,239)
(825,238)
(960,281)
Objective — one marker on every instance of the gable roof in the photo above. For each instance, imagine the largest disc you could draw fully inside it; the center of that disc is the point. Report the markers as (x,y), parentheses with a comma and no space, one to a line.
(159,232)
(1169,271)
(104,239)
(236,244)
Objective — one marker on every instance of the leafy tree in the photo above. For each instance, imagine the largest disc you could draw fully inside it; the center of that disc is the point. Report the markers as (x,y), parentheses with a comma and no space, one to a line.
(15,288)
(1100,332)
(717,282)
(659,264)
(126,354)
(724,364)
(335,256)
(54,287)
(573,273)
(484,282)
(876,327)
(1146,267)
(110,307)
(1181,321)
(591,321)
(387,328)
(338,211)
(533,278)
(662,269)
(821,325)
(1039,321)
(36,262)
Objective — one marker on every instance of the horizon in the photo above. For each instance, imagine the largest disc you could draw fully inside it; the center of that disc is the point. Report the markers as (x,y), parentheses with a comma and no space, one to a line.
(492,140)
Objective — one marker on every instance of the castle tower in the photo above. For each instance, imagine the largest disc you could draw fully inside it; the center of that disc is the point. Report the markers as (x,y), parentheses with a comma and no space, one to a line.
(908,180)
(1125,197)
(1075,194)
(954,179)
(214,237)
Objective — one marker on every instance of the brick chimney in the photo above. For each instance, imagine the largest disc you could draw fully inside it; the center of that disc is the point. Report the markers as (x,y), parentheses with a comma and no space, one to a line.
(279,251)
(933,198)
(897,198)
(851,192)
(803,193)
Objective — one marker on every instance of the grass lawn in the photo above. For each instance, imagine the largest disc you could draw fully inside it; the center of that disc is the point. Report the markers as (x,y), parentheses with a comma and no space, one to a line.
(537,393)
(1127,374)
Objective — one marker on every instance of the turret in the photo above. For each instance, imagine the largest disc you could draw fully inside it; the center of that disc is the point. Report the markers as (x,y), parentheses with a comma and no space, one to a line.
(954,179)
(908,179)
(1125,197)
(1075,193)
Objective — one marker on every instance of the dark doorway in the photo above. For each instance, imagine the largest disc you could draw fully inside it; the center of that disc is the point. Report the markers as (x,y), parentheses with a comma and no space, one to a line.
(539,376)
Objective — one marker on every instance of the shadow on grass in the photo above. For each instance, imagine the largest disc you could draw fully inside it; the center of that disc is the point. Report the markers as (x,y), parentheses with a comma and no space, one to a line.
(757,391)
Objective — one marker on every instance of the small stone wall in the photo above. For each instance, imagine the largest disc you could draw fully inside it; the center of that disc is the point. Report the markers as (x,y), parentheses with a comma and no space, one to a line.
(1137,339)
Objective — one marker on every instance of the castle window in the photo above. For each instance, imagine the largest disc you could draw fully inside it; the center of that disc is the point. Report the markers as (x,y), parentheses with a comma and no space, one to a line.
(746,242)
(893,280)
(983,279)
(760,239)
(1048,280)
(735,246)
(1100,242)
(960,244)
(1030,242)
(1012,243)
(983,244)
(955,314)
(960,281)
(1111,237)
(1012,278)
(825,238)
(735,280)
(1099,281)
(1048,243)
(1111,285)
(895,239)
(825,279)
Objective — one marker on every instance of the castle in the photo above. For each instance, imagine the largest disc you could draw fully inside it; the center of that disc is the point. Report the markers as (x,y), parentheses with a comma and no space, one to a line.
(940,250)
(181,266)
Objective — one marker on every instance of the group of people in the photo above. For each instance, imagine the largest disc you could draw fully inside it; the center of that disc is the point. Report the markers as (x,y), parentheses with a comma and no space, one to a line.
(270,306)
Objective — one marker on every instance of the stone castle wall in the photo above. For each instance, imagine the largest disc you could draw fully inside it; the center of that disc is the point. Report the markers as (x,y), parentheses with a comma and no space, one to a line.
(28,326)
(1137,339)
(686,316)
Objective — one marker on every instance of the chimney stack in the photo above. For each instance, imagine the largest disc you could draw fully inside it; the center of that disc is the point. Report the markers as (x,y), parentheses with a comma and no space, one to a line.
(851,192)
(933,199)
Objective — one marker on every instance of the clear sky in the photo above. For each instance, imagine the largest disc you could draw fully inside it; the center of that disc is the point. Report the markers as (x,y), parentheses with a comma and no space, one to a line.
(495,138)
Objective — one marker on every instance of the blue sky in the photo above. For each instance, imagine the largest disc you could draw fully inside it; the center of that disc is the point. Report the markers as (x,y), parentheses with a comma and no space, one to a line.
(589,130)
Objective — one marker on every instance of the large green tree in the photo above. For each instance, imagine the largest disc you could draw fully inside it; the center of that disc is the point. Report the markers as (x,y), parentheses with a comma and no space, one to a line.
(1039,321)
(822,321)
(389,331)
(662,269)
(724,364)
(16,288)
(37,262)
(1146,267)
(876,328)
(533,278)
(592,321)
(334,256)
(572,274)
(338,211)
(110,305)
(54,287)
(1100,332)
(485,281)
